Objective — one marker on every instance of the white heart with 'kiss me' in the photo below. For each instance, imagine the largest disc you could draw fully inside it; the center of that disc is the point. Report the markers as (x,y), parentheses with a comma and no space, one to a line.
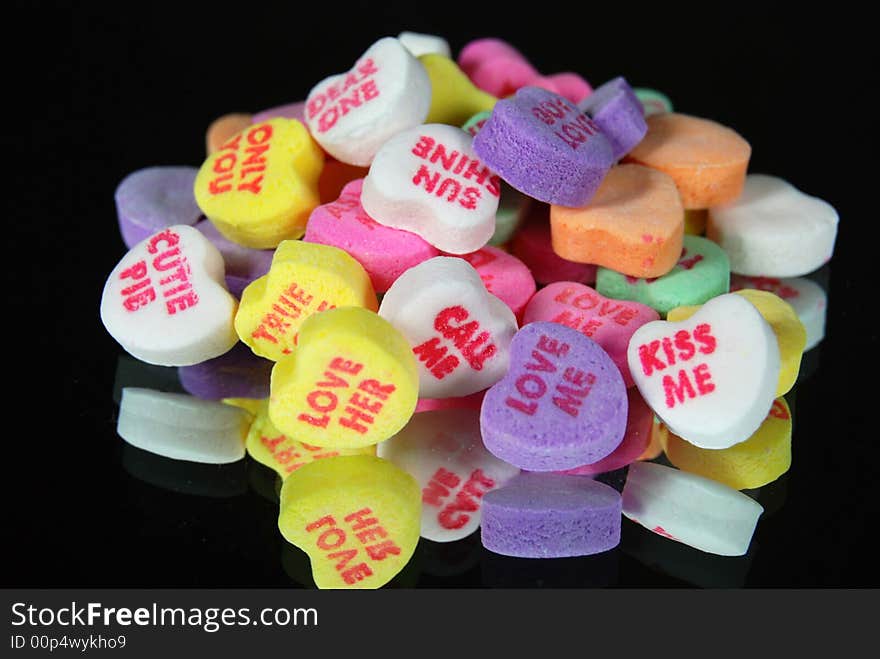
(352,114)
(711,378)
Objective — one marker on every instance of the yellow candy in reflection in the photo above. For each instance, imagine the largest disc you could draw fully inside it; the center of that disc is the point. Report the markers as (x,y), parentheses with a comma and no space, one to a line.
(759,460)
(791,335)
(351,382)
(304,278)
(260,186)
(454,98)
(357,517)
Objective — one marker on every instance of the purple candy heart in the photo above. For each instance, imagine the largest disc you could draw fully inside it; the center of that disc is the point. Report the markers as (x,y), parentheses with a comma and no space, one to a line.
(562,403)
(149,200)
(243,264)
(618,112)
(542,145)
(238,373)
(551,516)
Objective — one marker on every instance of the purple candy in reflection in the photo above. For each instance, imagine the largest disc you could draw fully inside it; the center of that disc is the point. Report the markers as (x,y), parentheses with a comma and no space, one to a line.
(151,199)
(289,111)
(237,374)
(542,145)
(551,516)
(617,110)
(243,264)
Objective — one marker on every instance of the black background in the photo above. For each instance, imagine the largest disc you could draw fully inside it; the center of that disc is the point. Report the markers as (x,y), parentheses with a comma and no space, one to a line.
(94,93)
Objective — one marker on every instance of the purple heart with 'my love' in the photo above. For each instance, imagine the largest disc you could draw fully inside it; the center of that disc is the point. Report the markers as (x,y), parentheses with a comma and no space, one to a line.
(562,403)
(610,323)
(542,145)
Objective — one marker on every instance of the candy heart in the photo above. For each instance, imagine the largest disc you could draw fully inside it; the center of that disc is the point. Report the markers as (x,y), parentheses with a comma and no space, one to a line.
(295,110)
(634,224)
(155,198)
(610,323)
(352,114)
(701,273)
(773,229)
(618,112)
(806,297)
(454,98)
(243,264)
(351,382)
(444,452)
(562,403)
(636,439)
(429,180)
(513,206)
(711,378)
(259,187)
(545,147)
(357,517)
(551,516)
(504,275)
(707,161)
(305,278)
(472,402)
(419,43)
(533,245)
(791,336)
(271,447)
(653,101)
(476,122)
(500,69)
(759,460)
(690,509)
(459,332)
(166,301)
(385,253)
(237,373)
(223,129)
(182,427)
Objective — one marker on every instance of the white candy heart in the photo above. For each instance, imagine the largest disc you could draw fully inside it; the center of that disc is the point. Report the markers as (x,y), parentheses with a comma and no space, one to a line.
(444,452)
(423,44)
(711,378)
(428,180)
(460,332)
(774,229)
(352,114)
(690,509)
(182,427)
(166,302)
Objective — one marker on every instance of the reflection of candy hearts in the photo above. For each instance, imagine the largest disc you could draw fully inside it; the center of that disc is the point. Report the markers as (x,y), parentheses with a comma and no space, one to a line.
(773,229)
(690,509)
(384,252)
(504,275)
(562,403)
(806,297)
(639,423)
(459,332)
(166,301)
(543,146)
(429,180)
(260,186)
(357,517)
(610,323)
(444,452)
(701,273)
(305,278)
(352,114)
(153,199)
(710,378)
(351,381)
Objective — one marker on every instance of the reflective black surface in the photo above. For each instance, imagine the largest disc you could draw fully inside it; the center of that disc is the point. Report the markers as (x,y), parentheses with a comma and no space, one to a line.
(117,89)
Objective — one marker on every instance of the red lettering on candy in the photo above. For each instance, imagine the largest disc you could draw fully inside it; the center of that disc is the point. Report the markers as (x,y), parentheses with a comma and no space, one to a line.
(175,286)
(778,410)
(475,346)
(460,169)
(337,100)
(250,165)
(454,515)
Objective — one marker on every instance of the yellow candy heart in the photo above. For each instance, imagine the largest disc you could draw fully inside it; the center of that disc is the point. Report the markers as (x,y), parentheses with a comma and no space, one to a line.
(695,221)
(454,98)
(357,517)
(759,460)
(791,335)
(304,278)
(271,447)
(260,187)
(351,382)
